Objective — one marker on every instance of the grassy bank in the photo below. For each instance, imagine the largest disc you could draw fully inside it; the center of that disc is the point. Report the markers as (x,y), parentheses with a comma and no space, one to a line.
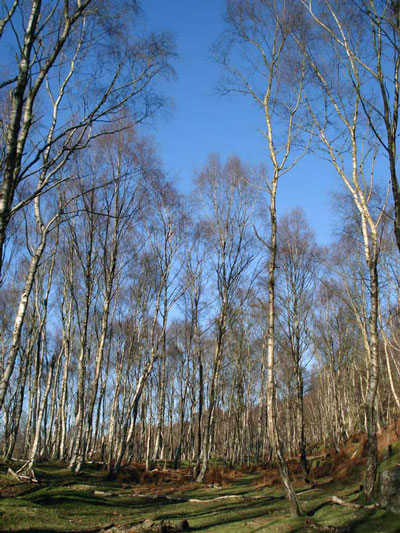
(88,502)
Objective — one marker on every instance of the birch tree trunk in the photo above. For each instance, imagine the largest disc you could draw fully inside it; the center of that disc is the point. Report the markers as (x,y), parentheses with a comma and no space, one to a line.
(271,390)
(352,173)
(22,308)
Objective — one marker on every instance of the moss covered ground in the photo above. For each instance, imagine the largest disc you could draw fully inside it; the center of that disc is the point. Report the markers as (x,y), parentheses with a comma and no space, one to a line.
(66,502)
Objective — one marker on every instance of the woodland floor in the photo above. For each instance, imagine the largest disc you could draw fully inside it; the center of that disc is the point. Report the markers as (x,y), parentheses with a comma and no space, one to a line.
(88,503)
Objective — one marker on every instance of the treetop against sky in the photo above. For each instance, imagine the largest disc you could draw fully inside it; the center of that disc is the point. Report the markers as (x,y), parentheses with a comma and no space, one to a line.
(204,121)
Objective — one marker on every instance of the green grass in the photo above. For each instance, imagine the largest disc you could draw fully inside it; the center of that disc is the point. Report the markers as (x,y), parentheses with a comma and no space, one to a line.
(393,460)
(65,502)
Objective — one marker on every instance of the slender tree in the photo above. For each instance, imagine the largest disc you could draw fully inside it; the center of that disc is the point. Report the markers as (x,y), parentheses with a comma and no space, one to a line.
(228,203)
(297,260)
(262,31)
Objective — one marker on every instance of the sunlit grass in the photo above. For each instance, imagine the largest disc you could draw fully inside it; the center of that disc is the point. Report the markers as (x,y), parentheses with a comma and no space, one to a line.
(66,502)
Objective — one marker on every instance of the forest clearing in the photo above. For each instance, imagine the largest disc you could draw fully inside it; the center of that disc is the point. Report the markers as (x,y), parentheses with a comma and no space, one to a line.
(244,500)
(199,265)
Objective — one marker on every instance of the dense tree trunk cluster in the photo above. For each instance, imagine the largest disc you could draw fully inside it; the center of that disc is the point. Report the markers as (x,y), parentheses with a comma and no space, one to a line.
(138,324)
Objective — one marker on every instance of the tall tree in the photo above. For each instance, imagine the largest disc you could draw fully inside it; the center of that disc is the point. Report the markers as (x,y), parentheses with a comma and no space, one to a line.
(228,203)
(58,63)
(338,117)
(260,31)
(297,261)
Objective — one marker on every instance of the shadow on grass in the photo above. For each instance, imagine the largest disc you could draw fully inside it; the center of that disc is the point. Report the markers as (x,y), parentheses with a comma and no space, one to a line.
(50,530)
(81,500)
(55,474)
(232,514)
(318,508)
(300,529)
(376,521)
(229,522)
(245,480)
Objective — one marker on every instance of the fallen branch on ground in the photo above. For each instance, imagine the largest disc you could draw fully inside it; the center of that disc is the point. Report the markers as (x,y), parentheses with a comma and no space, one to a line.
(330,529)
(23,478)
(197,500)
(307,490)
(234,496)
(339,501)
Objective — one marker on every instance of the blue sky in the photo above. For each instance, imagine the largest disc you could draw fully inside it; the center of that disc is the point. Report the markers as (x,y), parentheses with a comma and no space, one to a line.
(203,121)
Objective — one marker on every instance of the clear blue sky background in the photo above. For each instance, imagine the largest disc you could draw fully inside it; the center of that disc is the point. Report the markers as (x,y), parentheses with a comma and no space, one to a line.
(204,122)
